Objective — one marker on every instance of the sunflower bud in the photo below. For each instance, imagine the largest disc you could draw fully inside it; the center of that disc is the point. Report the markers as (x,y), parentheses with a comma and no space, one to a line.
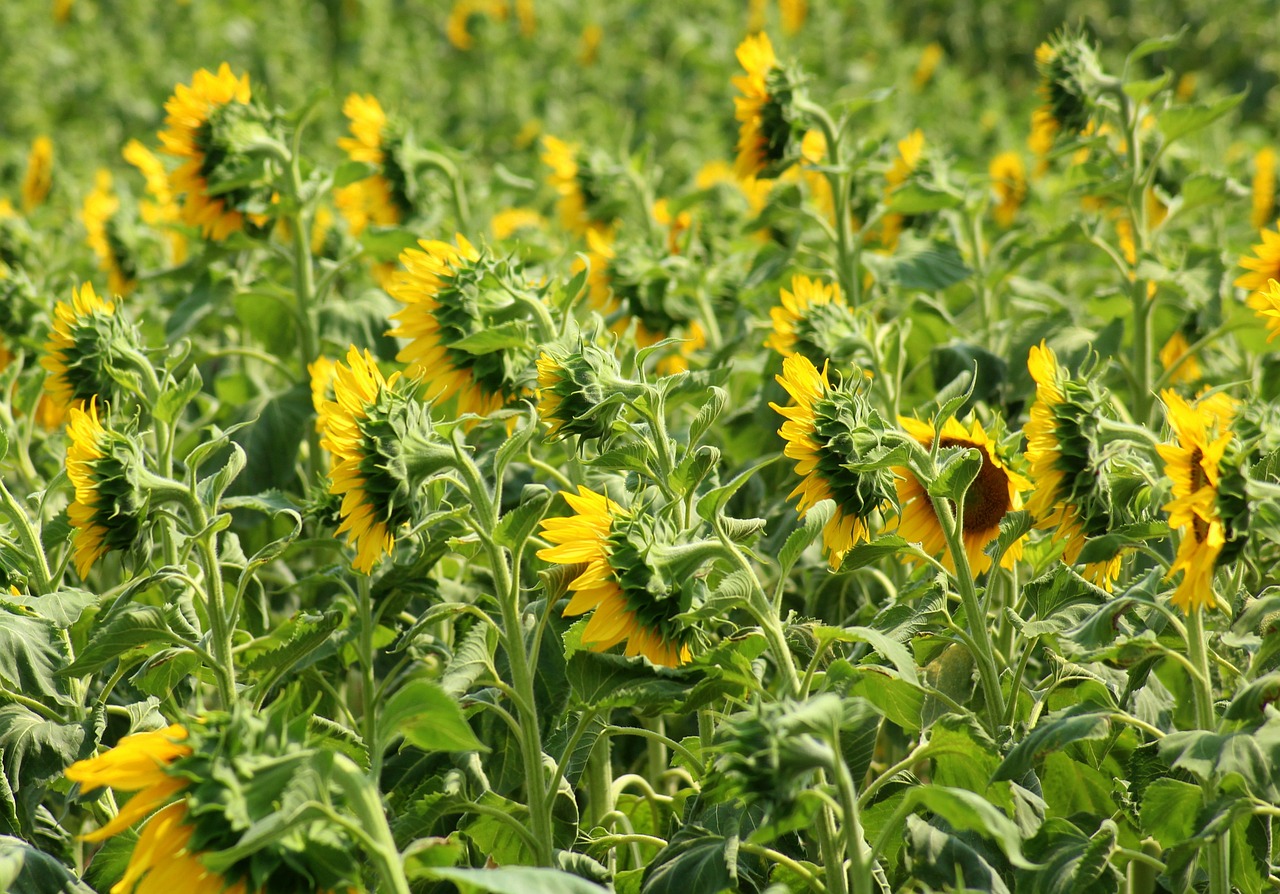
(580,391)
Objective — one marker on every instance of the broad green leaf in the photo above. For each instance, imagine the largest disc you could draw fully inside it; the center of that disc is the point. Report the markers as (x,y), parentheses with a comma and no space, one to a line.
(958,467)
(1073,862)
(516,880)
(1140,91)
(872,551)
(31,651)
(919,198)
(1154,45)
(799,539)
(1075,724)
(901,702)
(428,718)
(1180,120)
(604,681)
(472,658)
(964,757)
(352,172)
(141,627)
(1169,809)
(968,811)
(1208,755)
(25,870)
(35,749)
(692,863)
(941,859)
(273,441)
(519,522)
(919,264)
(708,413)
(896,653)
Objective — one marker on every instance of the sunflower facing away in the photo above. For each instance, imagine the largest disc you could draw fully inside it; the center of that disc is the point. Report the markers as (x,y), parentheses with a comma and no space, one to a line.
(995,493)
(39,176)
(1009,183)
(192,116)
(107,510)
(767,130)
(610,542)
(451,293)
(383,198)
(98,217)
(80,349)
(1069,495)
(161,209)
(1173,356)
(574,390)
(812,320)
(585,203)
(827,428)
(1202,434)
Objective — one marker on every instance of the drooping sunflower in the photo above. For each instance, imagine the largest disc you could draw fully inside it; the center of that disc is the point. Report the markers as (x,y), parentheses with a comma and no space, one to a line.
(1202,434)
(1266,304)
(383,446)
(769,130)
(108,509)
(161,209)
(826,429)
(383,198)
(39,176)
(611,542)
(1264,266)
(995,493)
(97,215)
(204,121)
(83,345)
(1071,495)
(1067,63)
(1264,188)
(450,294)
(1009,183)
(814,320)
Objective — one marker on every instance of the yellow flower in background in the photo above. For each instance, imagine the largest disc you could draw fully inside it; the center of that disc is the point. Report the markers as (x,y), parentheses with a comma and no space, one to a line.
(39,177)
(589,46)
(562,159)
(367,121)
(188,115)
(1009,182)
(380,199)
(62,11)
(764,132)
(1174,356)
(1201,435)
(510,221)
(1264,266)
(755,15)
(100,206)
(1267,306)
(754,190)
(813,152)
(819,428)
(527,16)
(1186,86)
(677,225)
(458,26)
(807,314)
(161,210)
(910,152)
(930,56)
(322,373)
(995,493)
(1044,131)
(138,764)
(597,536)
(1264,188)
(793,14)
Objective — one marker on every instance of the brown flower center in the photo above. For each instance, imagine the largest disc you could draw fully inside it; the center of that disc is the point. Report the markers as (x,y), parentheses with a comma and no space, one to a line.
(987,501)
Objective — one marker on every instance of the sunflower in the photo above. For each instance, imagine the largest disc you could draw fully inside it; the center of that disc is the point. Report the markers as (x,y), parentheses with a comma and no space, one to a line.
(107,510)
(589,46)
(464,12)
(161,210)
(451,294)
(576,390)
(1264,188)
(611,542)
(1069,494)
(1044,131)
(81,349)
(512,221)
(1202,434)
(1264,266)
(792,14)
(1009,183)
(97,215)
(995,492)
(1173,356)
(1267,306)
(586,187)
(383,198)
(39,177)
(812,320)
(137,764)
(322,373)
(905,163)
(930,56)
(199,119)
(768,131)
(1067,65)
(826,430)
(384,446)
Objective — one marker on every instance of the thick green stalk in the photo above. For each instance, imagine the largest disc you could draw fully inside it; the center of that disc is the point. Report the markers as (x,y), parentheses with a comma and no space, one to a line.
(1202,689)
(366,803)
(364,606)
(859,871)
(304,287)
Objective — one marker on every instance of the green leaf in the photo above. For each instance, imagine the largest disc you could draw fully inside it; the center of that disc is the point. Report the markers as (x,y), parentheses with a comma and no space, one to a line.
(714,500)
(964,757)
(1251,702)
(273,440)
(1106,546)
(472,658)
(888,648)
(695,862)
(717,399)
(901,702)
(131,627)
(869,552)
(350,172)
(919,264)
(61,608)
(1169,809)
(968,811)
(958,468)
(941,859)
(298,638)
(513,334)
(25,870)
(1153,45)
(799,539)
(174,399)
(1179,121)
(428,718)
(31,652)
(518,524)
(33,749)
(1208,755)
(1075,724)
(916,197)
(386,243)
(951,362)
(612,681)
(1073,863)
(515,880)
(1140,91)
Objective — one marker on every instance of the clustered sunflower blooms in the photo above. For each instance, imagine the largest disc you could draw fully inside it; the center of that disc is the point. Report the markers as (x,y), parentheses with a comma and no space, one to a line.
(109,507)
(580,391)
(1202,434)
(88,342)
(384,447)
(828,429)
(382,199)
(39,176)
(995,492)
(201,771)
(211,124)
(814,320)
(770,129)
(98,217)
(1071,494)
(1009,183)
(587,187)
(469,336)
(628,602)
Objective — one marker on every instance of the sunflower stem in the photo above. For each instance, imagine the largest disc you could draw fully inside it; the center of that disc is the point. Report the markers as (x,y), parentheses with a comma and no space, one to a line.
(304,287)
(1219,849)
(364,606)
(859,871)
(366,802)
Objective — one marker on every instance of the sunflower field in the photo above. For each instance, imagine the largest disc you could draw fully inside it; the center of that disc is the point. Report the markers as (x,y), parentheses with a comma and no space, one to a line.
(539,447)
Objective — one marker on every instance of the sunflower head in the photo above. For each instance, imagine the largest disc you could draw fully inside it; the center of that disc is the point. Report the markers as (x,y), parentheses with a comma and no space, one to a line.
(109,509)
(770,124)
(835,437)
(138,763)
(384,447)
(1182,367)
(1069,77)
(387,195)
(591,187)
(39,176)
(90,350)
(225,178)
(580,390)
(106,237)
(634,599)
(1009,185)
(995,492)
(470,320)
(814,320)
